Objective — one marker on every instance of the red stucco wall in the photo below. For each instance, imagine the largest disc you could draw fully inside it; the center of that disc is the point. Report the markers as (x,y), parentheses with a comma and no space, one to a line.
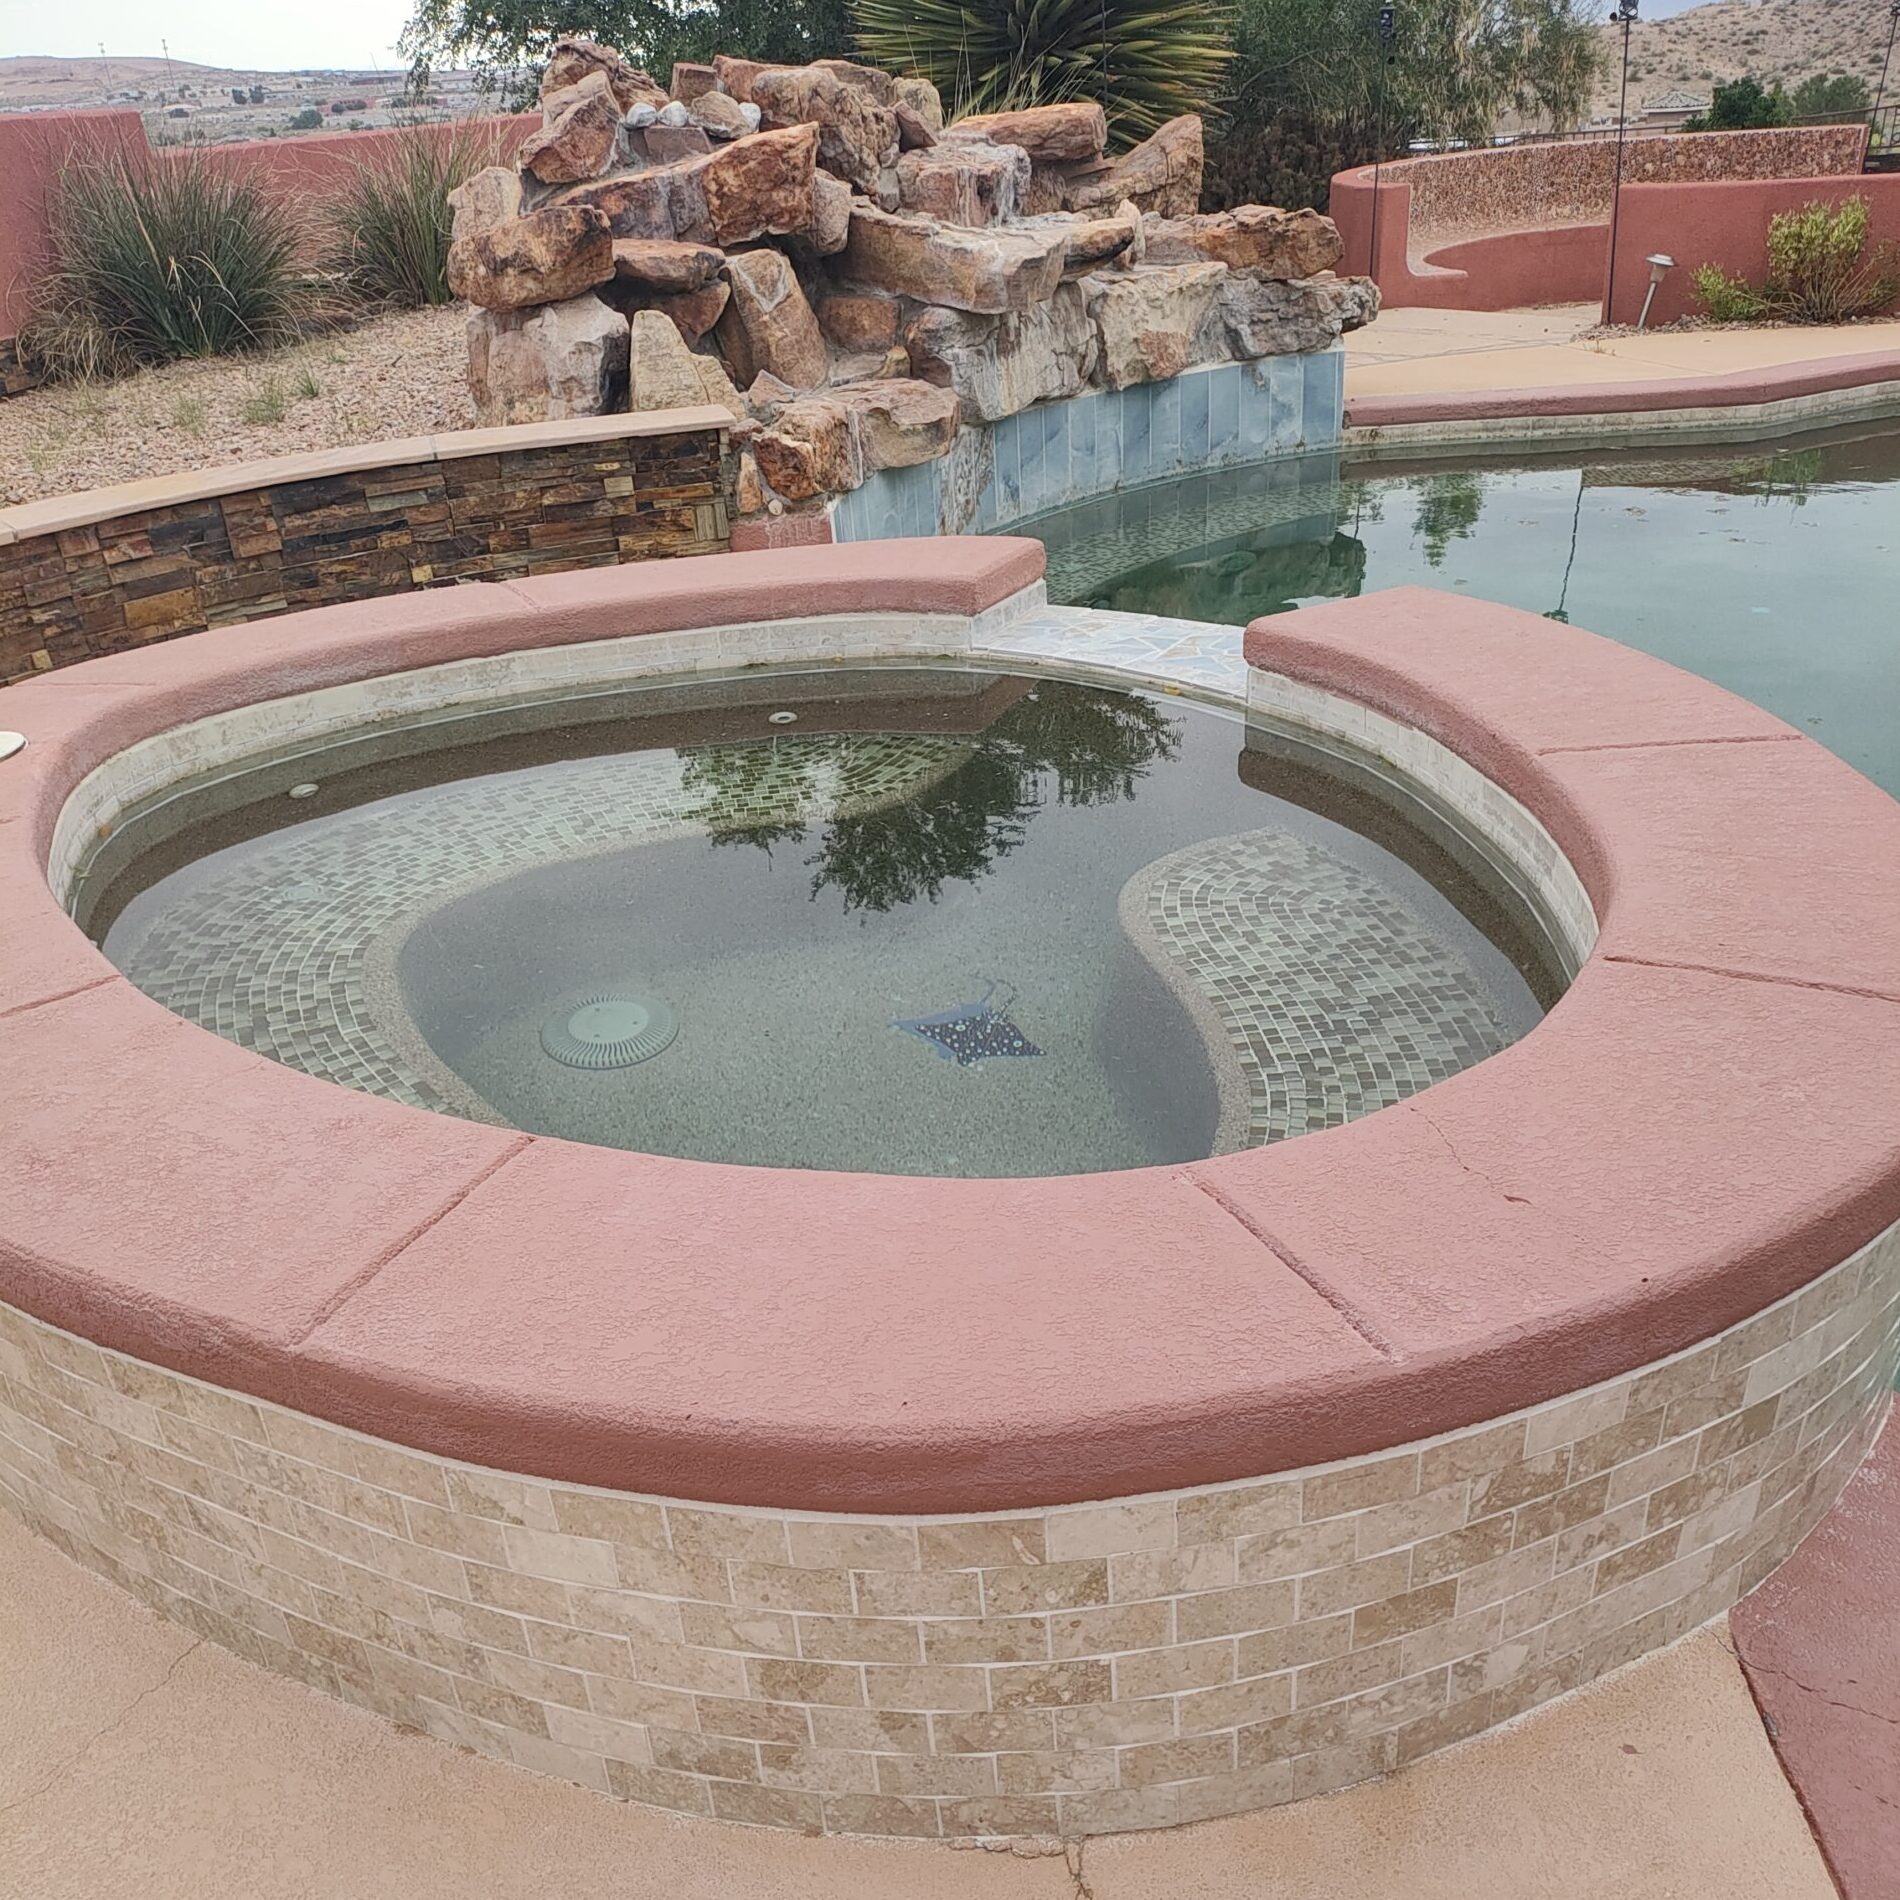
(303,171)
(1724,224)
(1513,225)
(33,146)
(1502,270)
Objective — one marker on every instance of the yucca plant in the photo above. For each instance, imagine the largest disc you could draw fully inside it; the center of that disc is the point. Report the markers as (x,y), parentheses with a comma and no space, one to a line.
(159,257)
(1146,61)
(389,226)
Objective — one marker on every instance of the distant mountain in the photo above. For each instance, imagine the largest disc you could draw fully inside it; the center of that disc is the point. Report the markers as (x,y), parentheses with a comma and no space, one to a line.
(1788,40)
(37,82)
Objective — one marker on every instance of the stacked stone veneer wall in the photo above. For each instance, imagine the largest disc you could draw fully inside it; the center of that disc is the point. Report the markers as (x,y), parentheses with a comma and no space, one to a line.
(1075,1670)
(1522,187)
(90,575)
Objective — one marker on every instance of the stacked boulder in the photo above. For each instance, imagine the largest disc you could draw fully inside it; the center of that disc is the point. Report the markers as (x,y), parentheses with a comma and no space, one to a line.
(812,249)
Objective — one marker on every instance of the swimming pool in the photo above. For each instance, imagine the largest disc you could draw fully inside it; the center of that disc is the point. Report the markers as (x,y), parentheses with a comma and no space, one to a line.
(1771,568)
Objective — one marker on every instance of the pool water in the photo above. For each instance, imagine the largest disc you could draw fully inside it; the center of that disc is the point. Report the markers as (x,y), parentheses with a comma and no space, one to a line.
(1771,568)
(898,919)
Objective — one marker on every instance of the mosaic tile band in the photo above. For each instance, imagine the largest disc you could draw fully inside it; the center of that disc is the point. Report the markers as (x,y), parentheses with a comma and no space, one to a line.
(1333,999)
(281,956)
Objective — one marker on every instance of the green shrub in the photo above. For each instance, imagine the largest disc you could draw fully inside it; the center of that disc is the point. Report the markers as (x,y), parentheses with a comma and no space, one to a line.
(1820,270)
(389,228)
(1743,105)
(1728,299)
(1842,96)
(307,120)
(158,258)
(1146,61)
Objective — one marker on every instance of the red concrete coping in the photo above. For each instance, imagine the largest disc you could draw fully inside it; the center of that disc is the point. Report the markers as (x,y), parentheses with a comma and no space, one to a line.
(1705,1122)
(1733,389)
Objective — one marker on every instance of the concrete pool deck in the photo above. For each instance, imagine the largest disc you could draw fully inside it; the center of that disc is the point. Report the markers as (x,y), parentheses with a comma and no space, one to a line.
(134,1755)
(1820,1644)
(1418,371)
(1419,352)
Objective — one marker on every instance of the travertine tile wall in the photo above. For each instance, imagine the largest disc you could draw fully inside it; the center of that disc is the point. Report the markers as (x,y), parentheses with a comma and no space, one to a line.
(1070,1671)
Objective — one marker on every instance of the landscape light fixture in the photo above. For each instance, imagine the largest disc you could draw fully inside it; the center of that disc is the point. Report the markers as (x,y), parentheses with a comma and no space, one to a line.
(1388,37)
(1625,17)
(1660,265)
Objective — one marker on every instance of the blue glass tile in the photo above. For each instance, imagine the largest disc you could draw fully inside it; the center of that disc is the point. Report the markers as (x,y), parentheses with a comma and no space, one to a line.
(1137,423)
(1028,427)
(1009,488)
(1108,441)
(1058,477)
(1256,408)
(1286,391)
(1085,476)
(1164,427)
(1194,416)
(1223,413)
(984,516)
(1324,397)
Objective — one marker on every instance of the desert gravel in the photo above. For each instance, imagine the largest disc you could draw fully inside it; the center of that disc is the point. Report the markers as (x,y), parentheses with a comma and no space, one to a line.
(393,376)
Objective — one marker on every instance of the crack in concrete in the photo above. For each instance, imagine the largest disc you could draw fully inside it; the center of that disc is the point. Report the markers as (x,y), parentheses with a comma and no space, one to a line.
(1659,745)
(357,1282)
(1819,1694)
(1072,1852)
(61,996)
(92,1741)
(1477,1174)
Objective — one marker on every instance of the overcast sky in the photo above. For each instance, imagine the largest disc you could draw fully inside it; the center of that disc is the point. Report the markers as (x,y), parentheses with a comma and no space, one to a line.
(266,34)
(269,35)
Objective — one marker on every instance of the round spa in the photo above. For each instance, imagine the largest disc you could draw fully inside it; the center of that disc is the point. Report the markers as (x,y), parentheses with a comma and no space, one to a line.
(799,1187)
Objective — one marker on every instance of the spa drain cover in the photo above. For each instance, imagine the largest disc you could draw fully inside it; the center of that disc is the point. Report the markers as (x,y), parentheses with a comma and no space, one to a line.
(610,1032)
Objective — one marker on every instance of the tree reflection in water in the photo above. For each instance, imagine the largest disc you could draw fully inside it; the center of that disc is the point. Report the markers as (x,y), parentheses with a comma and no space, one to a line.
(1081,745)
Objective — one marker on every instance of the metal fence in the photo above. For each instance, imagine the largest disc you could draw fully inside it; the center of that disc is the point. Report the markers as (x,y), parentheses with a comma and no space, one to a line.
(1883,142)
